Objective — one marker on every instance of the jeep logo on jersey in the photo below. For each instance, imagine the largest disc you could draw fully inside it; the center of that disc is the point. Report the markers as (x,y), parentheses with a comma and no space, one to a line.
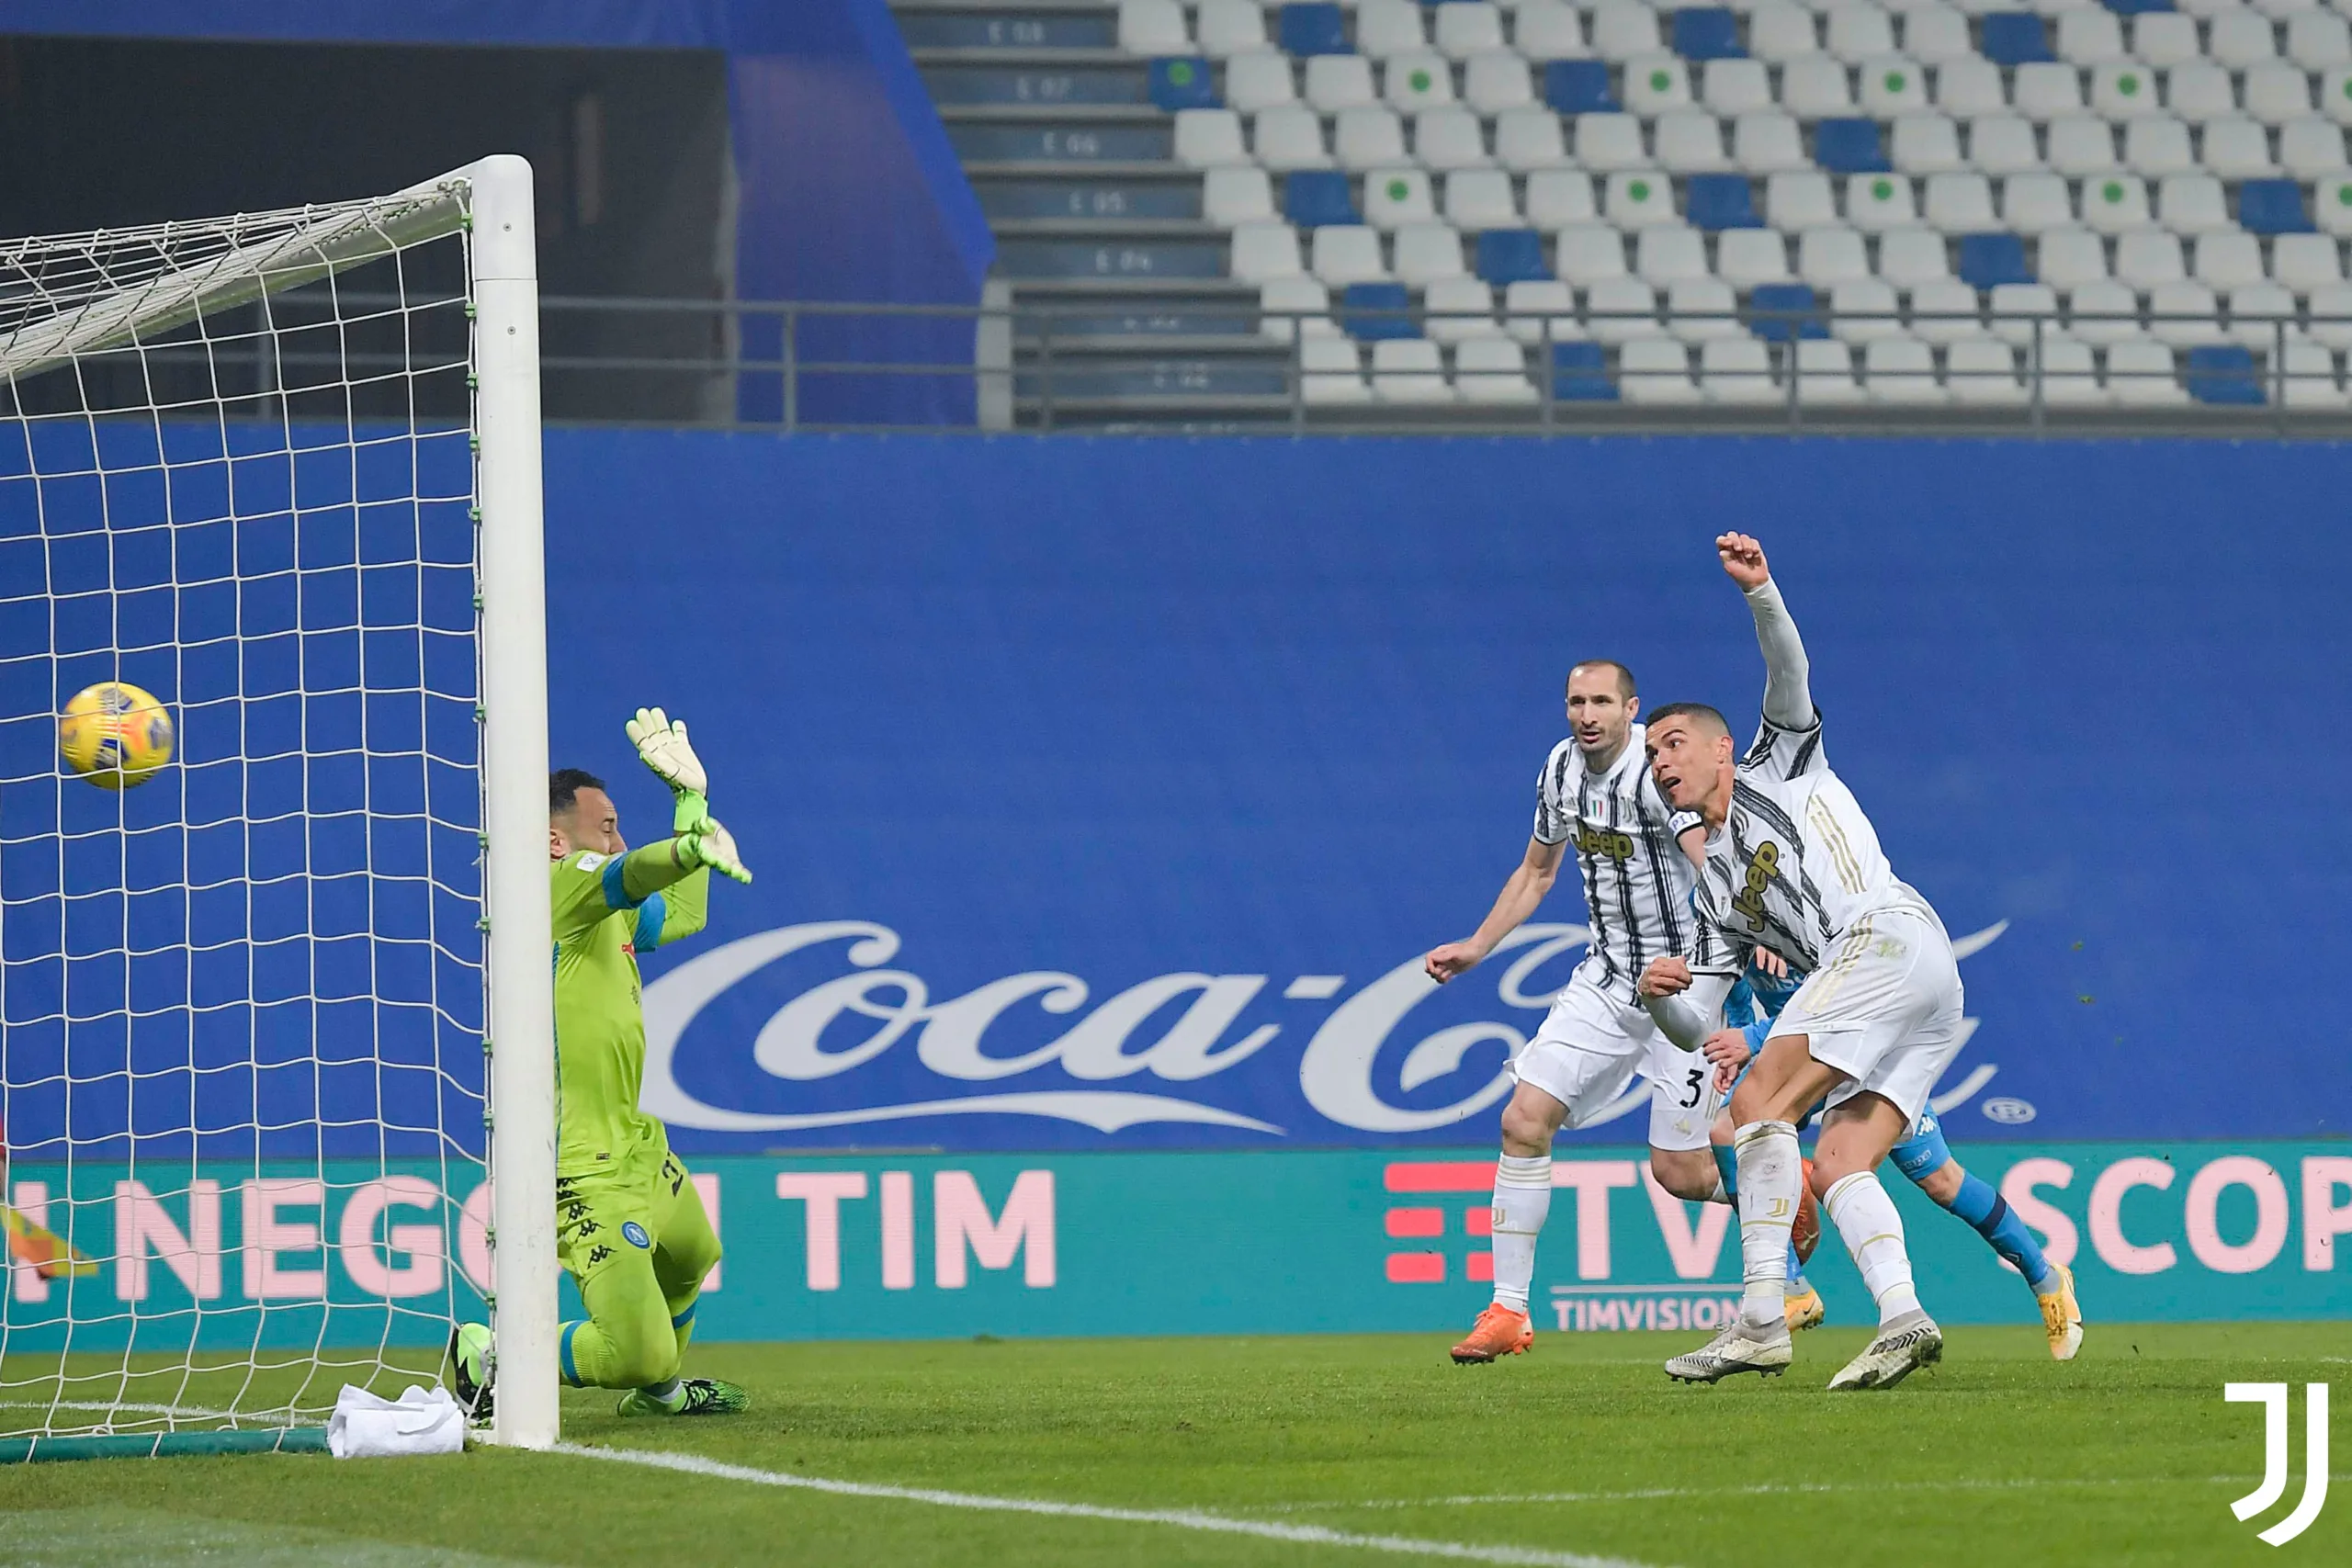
(634,1234)
(1604,841)
(1762,867)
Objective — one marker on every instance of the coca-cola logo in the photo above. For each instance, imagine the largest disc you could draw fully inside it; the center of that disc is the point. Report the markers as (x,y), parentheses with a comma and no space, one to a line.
(895,1009)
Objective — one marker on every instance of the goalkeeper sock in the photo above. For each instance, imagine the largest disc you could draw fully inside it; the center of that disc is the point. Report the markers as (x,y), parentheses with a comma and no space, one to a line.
(1998,1223)
(670,1396)
(1522,1198)
(1865,1217)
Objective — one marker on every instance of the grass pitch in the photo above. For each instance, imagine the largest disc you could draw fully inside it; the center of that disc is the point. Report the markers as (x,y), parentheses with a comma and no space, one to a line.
(1582,1450)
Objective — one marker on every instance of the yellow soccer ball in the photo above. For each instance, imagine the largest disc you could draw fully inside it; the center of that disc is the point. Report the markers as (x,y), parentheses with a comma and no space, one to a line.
(115,735)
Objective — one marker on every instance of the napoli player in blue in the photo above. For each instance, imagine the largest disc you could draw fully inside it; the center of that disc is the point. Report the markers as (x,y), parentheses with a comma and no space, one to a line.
(1924,1157)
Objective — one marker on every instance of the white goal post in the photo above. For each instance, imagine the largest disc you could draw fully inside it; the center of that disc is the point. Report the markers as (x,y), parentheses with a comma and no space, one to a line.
(271,1018)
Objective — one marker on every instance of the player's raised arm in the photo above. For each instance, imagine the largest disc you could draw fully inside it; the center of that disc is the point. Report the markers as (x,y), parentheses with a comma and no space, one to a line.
(1788,695)
(1525,890)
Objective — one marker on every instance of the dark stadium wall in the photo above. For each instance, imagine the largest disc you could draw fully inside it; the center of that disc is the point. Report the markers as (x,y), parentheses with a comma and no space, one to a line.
(1103,792)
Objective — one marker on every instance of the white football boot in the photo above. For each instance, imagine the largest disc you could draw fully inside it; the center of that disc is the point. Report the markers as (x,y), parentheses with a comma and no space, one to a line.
(1903,1346)
(1738,1348)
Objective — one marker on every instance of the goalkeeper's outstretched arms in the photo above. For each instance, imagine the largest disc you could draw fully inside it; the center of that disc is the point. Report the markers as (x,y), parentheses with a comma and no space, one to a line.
(661,745)
(596,874)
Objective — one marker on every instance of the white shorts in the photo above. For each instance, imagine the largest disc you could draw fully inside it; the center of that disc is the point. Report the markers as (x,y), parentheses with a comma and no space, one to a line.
(1590,1048)
(1884,1008)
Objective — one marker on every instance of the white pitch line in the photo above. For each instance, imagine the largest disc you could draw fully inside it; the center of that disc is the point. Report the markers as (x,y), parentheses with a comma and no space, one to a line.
(1769,1489)
(139,1409)
(1178,1518)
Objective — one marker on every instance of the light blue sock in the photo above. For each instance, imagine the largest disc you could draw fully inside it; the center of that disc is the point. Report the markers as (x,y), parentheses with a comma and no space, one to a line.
(1997,1223)
(1796,1272)
(1727,1162)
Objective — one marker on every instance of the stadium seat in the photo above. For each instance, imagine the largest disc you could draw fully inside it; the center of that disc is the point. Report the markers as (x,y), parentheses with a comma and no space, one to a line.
(1782,31)
(2103,311)
(1313,197)
(2329,314)
(2065,257)
(1747,257)
(1688,141)
(1781,312)
(1826,257)
(1969,86)
(1735,87)
(1621,308)
(1959,204)
(2317,39)
(1589,252)
(1489,370)
(2146,257)
(2198,91)
(1237,194)
(1373,310)
(1861,309)
(2273,207)
(1511,255)
(1457,308)
(2235,148)
(1766,141)
(1410,370)
(2311,147)
(2238,39)
(1700,308)
(2184,313)
(1427,252)
(1153,26)
(1610,141)
(2016,37)
(1478,199)
(1934,34)
(1530,139)
(2158,144)
(1464,32)
(1983,371)
(1450,138)
(2262,316)
(2192,204)
(1656,370)
(1289,137)
(2082,144)
(1184,82)
(2090,36)
(1417,81)
(2165,37)
(1264,250)
(1258,81)
(1910,256)
(1893,85)
(1653,83)
(1878,202)
(1636,197)
(1736,371)
(1988,261)
(2003,145)
(2044,91)
(2224,374)
(1208,138)
(1579,87)
(1336,82)
(1928,145)
(1549,29)
(2308,378)
(1580,373)
(1848,146)
(2124,90)
(1226,28)
(1859,34)
(2115,203)
(1898,369)
(1707,33)
(2332,206)
(1290,305)
(1389,27)
(1392,198)
(1493,81)
(1344,254)
(1538,306)
(1367,137)
(1623,29)
(1720,201)
(1823,373)
(2067,372)
(2012,310)
(1946,311)
(1667,254)
(1314,28)
(1815,87)
(2277,92)
(1331,369)
(2305,261)
(1556,198)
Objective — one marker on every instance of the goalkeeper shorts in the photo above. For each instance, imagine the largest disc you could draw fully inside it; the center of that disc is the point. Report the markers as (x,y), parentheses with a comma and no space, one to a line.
(607,1215)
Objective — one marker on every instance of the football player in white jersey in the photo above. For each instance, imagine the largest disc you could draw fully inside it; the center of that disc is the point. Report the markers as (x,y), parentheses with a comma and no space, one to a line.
(1793,866)
(1594,798)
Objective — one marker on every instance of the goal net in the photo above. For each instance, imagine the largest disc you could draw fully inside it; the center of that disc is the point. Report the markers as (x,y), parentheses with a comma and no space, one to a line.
(281,472)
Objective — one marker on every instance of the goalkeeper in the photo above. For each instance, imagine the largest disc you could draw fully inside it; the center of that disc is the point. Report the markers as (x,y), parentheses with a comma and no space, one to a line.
(630,1226)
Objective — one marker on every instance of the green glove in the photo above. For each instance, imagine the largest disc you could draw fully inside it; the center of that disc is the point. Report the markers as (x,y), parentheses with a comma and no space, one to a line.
(708,843)
(661,745)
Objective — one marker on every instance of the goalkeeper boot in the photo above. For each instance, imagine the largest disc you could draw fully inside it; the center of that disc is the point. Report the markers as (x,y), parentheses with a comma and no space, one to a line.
(1499,1332)
(694,1397)
(1903,1344)
(2062,1316)
(473,1369)
(1738,1348)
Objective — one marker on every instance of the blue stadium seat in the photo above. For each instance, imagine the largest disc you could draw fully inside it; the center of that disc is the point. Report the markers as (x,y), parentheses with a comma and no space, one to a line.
(2016,37)
(1371,310)
(1313,197)
(2136,8)
(1580,373)
(1720,201)
(2273,207)
(1318,28)
(1183,85)
(1708,33)
(1511,255)
(1779,311)
(1987,261)
(1579,87)
(1851,146)
(2223,373)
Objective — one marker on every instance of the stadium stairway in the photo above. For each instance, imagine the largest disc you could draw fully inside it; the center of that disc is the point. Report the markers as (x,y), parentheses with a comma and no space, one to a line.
(1124,305)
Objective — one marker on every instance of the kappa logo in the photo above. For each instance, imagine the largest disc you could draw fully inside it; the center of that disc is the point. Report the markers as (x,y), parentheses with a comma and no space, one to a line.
(634,1234)
(2273,1398)
(600,1254)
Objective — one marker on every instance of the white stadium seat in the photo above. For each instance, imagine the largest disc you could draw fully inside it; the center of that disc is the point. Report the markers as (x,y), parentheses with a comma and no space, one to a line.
(2146,257)
(1336,82)
(1368,138)
(1610,141)
(1901,371)
(1455,309)
(2068,372)
(2069,256)
(2090,37)
(1766,141)
(1415,81)
(1620,309)
(2231,260)
(1465,30)
(1342,254)
(2032,204)
(1816,86)
(1290,137)
(1737,370)
(1491,369)
(1927,144)
(1153,26)
(1746,257)
(2045,89)
(1908,257)
(1394,197)
(2142,373)
(2277,92)
(1529,139)
(1332,371)
(1237,194)
(2082,144)
(1655,82)
(1779,31)
(1556,198)
(1689,141)
(1893,85)
(1656,370)
(2192,204)
(2235,148)
(1480,198)
(1449,139)
(2003,145)
(1388,27)
(1983,371)
(2305,262)
(2332,205)
(2199,90)
(1230,27)
(2121,89)
(1735,87)
(1493,81)
(2112,203)
(1935,34)
(1589,253)
(1427,252)
(2330,308)
(1825,373)
(1878,202)
(1290,305)
(1258,81)
(2307,378)
(1861,309)
(1799,200)
(2165,38)
(2158,145)
(1635,199)
(1264,250)
(2102,311)
(2012,308)
(1667,254)
(1968,86)
(2240,39)
(1549,29)
(1826,257)
(1535,307)
(1206,138)
(2311,147)
(1622,30)
(1410,370)
(1860,33)
(1945,311)
(1700,308)
(2317,39)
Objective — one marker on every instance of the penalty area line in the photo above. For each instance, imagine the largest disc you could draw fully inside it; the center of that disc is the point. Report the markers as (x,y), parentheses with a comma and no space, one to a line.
(1175,1519)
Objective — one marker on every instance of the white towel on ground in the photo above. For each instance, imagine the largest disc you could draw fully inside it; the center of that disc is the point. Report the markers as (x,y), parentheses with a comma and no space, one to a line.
(421,1421)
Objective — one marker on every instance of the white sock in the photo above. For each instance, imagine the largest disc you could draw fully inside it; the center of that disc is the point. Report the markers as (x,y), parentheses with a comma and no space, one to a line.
(1522,1196)
(1769,1170)
(1866,1217)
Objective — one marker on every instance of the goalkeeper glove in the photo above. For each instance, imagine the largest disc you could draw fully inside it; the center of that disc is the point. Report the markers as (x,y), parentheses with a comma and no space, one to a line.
(661,745)
(708,843)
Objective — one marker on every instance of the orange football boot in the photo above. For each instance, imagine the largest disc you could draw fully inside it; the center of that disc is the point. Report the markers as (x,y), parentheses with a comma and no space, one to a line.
(1500,1331)
(1805,1235)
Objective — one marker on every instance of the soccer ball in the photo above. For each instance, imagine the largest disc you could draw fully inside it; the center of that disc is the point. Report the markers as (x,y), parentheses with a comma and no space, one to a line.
(115,735)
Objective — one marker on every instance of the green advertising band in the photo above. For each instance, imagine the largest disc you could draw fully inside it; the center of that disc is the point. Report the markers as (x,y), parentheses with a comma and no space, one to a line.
(163,1445)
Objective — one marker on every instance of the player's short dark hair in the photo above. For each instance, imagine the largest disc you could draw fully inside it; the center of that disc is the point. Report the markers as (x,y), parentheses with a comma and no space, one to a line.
(564,785)
(1701,711)
(1624,676)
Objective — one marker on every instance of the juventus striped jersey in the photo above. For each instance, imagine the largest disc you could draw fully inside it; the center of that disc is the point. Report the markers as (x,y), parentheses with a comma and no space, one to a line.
(1795,861)
(1636,881)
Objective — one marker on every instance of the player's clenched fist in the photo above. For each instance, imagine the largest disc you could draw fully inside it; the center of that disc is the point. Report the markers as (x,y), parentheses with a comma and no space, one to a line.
(1664,978)
(1728,1051)
(1454,958)
(1743,559)
(661,745)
